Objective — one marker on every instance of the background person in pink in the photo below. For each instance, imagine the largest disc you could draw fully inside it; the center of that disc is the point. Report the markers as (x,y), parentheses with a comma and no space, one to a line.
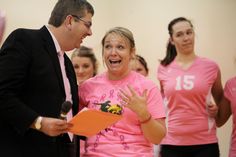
(85,63)
(86,66)
(187,82)
(227,108)
(139,65)
(141,102)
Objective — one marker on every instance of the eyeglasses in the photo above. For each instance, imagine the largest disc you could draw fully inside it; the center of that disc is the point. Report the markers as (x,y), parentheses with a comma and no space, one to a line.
(88,24)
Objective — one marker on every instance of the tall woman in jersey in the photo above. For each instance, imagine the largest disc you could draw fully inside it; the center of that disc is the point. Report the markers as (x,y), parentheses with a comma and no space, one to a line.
(187,82)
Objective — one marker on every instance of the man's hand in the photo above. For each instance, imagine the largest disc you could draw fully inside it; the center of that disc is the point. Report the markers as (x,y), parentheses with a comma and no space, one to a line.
(54,126)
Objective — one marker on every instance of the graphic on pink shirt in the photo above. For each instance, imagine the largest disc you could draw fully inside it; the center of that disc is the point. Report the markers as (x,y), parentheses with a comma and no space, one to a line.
(115,109)
(230,94)
(107,107)
(125,138)
(187,94)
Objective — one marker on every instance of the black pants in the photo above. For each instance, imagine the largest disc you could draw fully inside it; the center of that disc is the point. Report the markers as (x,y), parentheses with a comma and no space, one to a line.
(205,150)
(73,149)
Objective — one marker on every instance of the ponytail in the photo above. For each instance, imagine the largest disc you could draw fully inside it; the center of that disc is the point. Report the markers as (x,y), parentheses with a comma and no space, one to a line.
(170,54)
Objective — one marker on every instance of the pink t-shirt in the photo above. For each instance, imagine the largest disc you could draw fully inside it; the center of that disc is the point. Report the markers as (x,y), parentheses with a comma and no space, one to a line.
(125,138)
(230,94)
(186,95)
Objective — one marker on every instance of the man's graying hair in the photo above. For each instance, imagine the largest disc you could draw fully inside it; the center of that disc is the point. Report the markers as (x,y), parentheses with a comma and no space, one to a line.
(63,8)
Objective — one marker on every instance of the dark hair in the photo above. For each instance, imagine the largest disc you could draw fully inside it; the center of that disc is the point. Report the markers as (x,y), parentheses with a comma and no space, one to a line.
(170,49)
(63,8)
(84,51)
(142,61)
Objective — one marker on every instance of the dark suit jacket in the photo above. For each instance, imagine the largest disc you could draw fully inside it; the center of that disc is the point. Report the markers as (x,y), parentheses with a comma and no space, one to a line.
(31,84)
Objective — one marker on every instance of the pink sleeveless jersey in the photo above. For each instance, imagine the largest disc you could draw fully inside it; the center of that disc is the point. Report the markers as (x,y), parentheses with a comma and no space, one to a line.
(230,94)
(125,138)
(186,95)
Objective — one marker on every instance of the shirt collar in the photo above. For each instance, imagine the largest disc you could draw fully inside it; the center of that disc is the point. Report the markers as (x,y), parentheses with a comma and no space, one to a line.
(58,48)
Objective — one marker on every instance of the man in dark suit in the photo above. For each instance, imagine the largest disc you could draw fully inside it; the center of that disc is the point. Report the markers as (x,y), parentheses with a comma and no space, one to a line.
(32,86)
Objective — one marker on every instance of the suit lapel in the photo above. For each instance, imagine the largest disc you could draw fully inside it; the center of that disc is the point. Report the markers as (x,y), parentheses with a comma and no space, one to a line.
(73,83)
(50,47)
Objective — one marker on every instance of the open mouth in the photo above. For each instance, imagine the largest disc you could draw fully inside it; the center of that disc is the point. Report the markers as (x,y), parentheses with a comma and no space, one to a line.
(115,62)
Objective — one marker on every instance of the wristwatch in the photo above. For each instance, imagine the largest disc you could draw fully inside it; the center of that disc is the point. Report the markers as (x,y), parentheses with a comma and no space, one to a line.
(38,122)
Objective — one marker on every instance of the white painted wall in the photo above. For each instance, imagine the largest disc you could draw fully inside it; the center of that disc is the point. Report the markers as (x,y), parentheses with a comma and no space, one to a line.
(214,22)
